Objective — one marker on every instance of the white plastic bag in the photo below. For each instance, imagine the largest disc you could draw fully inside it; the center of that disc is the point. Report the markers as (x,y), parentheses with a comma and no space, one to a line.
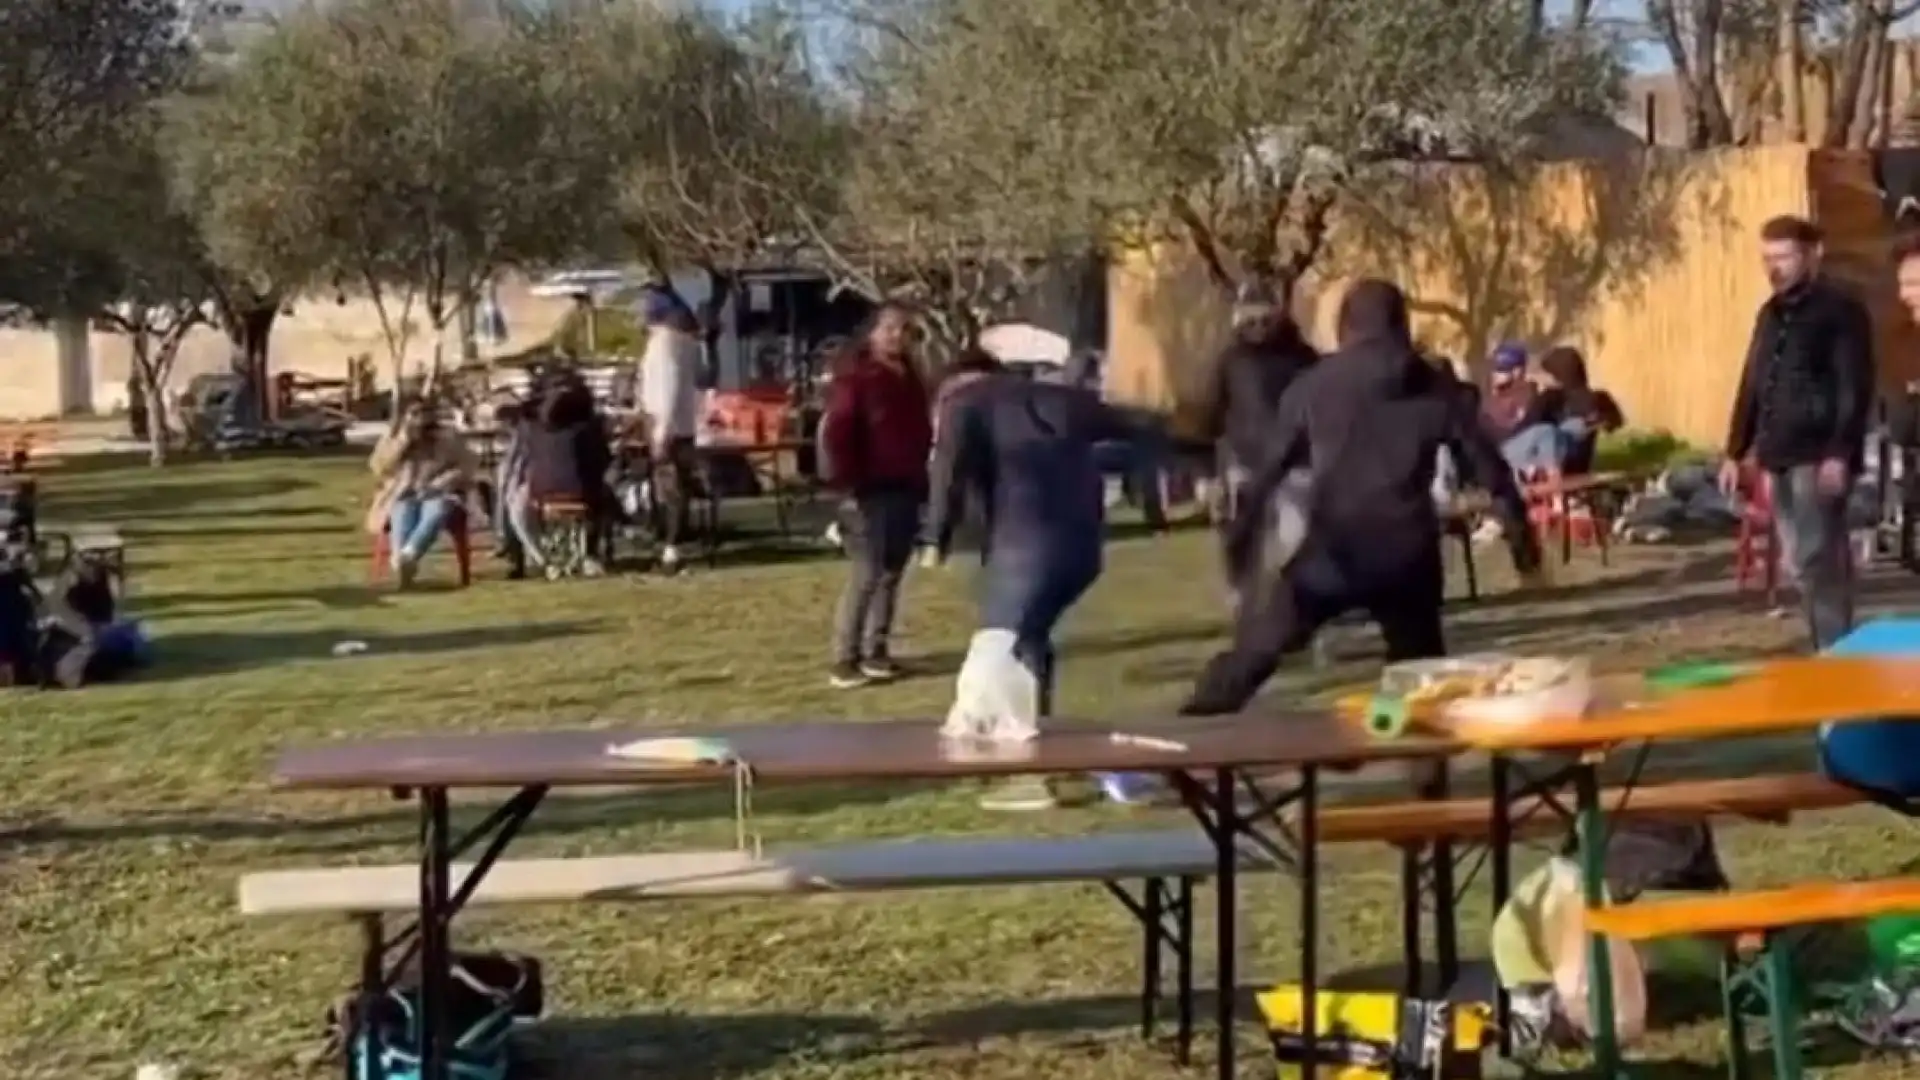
(1540,938)
(996,697)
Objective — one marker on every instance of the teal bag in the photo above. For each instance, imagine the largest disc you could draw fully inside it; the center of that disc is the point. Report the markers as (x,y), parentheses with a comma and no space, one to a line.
(489,994)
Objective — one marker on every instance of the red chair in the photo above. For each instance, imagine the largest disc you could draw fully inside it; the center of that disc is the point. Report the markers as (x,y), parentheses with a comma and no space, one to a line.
(458,530)
(1757,553)
(1569,506)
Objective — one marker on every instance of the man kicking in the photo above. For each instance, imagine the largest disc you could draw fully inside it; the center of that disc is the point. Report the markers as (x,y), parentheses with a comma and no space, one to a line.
(1369,423)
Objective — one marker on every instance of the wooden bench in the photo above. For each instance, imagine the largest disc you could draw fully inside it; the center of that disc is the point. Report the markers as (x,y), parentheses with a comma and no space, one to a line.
(1166,863)
(1756,931)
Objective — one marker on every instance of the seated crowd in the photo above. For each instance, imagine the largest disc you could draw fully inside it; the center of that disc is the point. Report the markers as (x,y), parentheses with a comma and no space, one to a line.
(560,462)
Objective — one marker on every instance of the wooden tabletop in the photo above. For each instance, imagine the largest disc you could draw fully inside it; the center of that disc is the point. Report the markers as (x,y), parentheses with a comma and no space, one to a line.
(845,751)
(1782,695)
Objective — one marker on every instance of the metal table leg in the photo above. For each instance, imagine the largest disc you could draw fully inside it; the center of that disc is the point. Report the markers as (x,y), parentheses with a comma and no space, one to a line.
(440,901)
(1258,829)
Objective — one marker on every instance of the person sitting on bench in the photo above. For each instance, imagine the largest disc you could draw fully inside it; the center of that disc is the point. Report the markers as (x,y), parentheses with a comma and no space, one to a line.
(423,468)
(567,456)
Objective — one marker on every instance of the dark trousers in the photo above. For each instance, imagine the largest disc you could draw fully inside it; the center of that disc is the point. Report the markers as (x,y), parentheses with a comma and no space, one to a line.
(673,479)
(1280,617)
(1029,592)
(1812,529)
(878,530)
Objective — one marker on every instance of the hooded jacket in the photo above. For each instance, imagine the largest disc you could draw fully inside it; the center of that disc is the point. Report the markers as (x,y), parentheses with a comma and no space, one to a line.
(1370,420)
(1251,376)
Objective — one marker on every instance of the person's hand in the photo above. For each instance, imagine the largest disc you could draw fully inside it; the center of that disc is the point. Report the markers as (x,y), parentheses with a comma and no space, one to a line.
(1832,476)
(931,558)
(1729,477)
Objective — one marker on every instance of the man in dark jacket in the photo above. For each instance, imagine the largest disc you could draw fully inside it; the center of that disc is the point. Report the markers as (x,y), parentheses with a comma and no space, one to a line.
(1025,455)
(1371,419)
(1800,416)
(1251,375)
(1024,452)
(876,434)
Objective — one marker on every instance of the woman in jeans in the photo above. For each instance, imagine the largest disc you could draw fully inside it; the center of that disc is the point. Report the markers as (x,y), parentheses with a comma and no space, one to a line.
(875,437)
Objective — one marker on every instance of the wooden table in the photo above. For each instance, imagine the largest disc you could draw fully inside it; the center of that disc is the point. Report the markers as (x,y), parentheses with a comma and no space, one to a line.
(1778,696)
(1223,768)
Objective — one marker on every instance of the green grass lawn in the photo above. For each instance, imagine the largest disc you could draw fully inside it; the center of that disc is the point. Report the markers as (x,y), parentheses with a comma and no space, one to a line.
(127,813)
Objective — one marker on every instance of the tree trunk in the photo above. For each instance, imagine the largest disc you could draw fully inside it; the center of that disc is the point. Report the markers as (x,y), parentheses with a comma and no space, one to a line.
(720,289)
(1792,64)
(249,334)
(153,391)
(1855,55)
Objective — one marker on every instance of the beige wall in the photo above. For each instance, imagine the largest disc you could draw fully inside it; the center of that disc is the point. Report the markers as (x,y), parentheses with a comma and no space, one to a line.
(1647,263)
(317,339)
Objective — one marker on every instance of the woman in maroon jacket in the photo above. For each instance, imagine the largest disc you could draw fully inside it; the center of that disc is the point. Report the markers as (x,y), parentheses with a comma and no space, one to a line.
(876,436)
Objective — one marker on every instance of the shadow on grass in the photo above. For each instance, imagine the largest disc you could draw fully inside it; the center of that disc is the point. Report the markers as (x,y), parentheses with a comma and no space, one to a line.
(564,815)
(331,597)
(670,1046)
(165,496)
(218,652)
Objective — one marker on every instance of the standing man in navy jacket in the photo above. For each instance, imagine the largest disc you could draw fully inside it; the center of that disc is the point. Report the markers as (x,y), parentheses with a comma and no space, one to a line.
(1800,417)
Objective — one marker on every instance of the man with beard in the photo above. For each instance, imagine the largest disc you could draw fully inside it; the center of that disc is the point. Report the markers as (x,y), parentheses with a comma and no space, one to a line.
(1800,417)
(1371,420)
(1251,375)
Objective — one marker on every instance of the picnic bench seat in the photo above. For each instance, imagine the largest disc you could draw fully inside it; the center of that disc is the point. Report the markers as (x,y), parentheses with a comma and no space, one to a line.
(1756,931)
(1168,863)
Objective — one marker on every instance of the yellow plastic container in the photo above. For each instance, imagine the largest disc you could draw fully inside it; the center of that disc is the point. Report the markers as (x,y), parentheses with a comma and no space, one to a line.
(1378,1036)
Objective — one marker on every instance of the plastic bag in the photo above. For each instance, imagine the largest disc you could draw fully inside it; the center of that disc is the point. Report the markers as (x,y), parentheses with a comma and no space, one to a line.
(1540,941)
(997,696)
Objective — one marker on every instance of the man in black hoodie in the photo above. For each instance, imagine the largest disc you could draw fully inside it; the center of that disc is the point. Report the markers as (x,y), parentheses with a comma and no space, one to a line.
(1371,420)
(1250,376)
(1801,416)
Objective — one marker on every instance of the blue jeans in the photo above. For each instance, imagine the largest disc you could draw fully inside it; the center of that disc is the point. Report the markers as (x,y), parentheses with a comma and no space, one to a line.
(1029,592)
(1543,446)
(414,522)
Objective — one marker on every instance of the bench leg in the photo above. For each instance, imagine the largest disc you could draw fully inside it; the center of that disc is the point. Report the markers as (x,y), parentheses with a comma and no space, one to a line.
(1732,1002)
(1151,918)
(1166,924)
(1783,1014)
(363,1061)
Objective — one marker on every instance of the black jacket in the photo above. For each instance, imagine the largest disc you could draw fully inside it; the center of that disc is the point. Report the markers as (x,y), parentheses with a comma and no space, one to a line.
(1023,452)
(1250,377)
(1807,389)
(1370,420)
(568,463)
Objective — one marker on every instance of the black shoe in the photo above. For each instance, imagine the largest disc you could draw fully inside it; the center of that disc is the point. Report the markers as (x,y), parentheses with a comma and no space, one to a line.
(880,669)
(848,676)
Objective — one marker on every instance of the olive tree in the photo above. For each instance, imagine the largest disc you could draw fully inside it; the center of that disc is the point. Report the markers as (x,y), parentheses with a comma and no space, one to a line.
(731,142)
(1233,125)
(72,73)
(409,150)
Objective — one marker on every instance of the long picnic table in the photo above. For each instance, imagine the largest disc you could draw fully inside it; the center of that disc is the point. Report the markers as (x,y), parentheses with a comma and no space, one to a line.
(1250,781)
(1242,777)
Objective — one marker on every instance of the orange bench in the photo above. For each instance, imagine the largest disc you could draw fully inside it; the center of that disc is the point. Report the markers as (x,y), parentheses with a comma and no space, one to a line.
(1755,931)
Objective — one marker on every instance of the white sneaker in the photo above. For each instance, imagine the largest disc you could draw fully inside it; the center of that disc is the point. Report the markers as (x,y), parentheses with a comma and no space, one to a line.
(670,559)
